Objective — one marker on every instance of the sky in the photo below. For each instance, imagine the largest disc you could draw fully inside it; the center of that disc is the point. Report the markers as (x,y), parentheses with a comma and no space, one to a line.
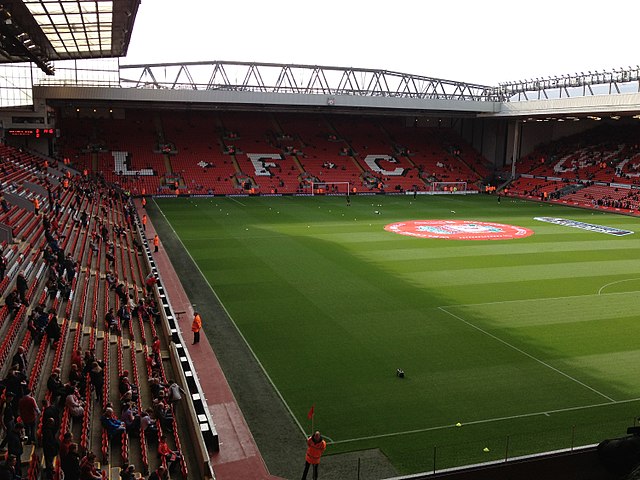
(483,42)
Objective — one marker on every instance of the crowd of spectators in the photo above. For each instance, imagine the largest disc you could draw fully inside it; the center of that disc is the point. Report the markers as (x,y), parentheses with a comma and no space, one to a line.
(25,421)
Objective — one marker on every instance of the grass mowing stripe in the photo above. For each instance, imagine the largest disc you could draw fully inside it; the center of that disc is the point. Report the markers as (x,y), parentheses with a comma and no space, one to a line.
(266,374)
(333,305)
(616,282)
(392,252)
(529,355)
(488,420)
(535,299)
(479,276)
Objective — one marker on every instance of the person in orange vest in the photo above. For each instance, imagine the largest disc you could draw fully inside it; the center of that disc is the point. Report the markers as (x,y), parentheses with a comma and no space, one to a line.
(196,326)
(144,223)
(315,448)
(36,205)
(156,243)
(144,202)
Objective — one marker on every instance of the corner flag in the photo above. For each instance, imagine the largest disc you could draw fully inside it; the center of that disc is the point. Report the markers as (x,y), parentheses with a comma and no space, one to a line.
(311,412)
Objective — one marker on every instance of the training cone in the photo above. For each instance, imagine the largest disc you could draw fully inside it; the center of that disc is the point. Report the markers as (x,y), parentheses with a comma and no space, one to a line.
(458,424)
(485,449)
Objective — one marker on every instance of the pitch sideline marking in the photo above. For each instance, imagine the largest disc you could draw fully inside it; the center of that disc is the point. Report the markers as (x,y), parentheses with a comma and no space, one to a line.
(284,402)
(486,420)
(504,342)
(617,281)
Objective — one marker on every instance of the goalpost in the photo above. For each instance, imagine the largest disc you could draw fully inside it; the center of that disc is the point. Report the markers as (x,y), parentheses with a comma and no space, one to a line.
(330,188)
(449,187)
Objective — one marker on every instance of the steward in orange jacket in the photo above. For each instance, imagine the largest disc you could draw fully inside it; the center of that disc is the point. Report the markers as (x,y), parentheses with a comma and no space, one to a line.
(315,448)
(196,326)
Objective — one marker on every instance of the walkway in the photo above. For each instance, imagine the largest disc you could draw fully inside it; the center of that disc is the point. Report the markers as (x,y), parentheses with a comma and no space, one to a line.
(238,457)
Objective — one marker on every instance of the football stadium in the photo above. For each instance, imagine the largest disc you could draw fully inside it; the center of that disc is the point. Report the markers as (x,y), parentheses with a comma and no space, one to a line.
(204,263)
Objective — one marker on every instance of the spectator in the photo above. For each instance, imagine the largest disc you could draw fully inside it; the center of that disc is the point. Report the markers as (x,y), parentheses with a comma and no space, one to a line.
(111,323)
(29,411)
(19,360)
(50,410)
(111,423)
(3,265)
(163,413)
(88,469)
(15,382)
(70,464)
(121,291)
(150,282)
(7,418)
(124,315)
(22,286)
(14,441)
(128,392)
(9,469)
(175,393)
(76,378)
(34,329)
(159,474)
(148,423)
(128,472)
(73,402)
(53,328)
(65,446)
(130,418)
(76,357)
(55,385)
(50,444)
(172,457)
(96,375)
(12,301)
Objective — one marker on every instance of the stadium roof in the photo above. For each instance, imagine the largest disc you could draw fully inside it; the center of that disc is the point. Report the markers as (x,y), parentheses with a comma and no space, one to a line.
(42,31)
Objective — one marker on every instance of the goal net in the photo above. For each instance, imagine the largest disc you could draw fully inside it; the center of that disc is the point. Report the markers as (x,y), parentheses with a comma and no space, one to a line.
(330,188)
(449,187)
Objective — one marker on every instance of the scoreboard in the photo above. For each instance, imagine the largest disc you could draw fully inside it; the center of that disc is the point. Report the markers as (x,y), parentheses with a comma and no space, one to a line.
(32,132)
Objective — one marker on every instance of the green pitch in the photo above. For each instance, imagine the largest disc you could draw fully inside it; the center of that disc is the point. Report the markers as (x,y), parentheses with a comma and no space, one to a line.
(530,344)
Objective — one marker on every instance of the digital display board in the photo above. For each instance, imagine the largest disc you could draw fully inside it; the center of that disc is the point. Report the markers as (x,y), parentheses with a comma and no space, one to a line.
(31,132)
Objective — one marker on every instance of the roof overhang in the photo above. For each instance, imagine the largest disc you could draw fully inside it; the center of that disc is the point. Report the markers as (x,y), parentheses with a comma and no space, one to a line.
(42,31)
(261,101)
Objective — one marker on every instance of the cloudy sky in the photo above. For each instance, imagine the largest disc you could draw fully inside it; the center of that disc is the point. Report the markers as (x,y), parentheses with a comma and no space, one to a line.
(485,42)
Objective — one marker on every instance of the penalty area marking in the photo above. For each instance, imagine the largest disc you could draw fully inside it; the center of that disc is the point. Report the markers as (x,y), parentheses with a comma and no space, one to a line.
(237,201)
(501,302)
(504,342)
(546,413)
(618,281)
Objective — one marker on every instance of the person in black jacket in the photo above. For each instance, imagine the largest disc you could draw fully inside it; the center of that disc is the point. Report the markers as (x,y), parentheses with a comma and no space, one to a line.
(9,469)
(14,442)
(50,443)
(70,464)
(22,286)
(159,474)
